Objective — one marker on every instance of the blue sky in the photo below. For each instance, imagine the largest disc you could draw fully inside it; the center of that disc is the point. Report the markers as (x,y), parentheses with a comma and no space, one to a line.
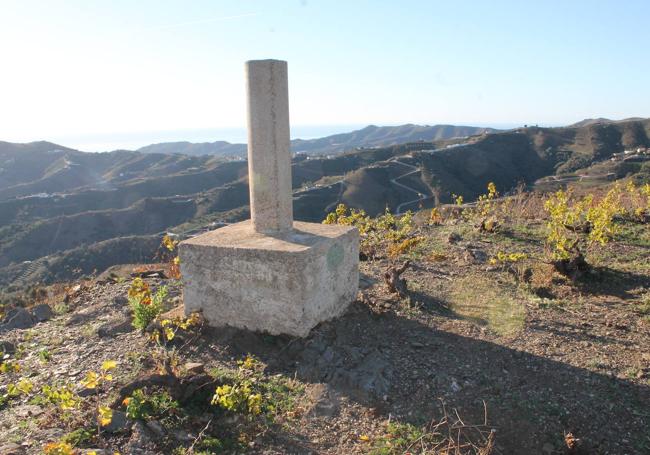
(120,67)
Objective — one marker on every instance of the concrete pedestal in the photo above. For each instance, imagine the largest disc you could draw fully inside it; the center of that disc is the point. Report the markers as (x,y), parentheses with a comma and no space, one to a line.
(284,284)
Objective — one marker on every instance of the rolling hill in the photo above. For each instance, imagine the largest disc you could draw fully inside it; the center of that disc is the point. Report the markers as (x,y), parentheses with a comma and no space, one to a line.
(59,205)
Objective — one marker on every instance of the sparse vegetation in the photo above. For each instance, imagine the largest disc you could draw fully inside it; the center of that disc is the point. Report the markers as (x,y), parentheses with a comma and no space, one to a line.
(472,314)
(378,235)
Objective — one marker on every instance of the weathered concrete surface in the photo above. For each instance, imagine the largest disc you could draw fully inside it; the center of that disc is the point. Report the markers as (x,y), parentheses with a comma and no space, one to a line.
(269,156)
(284,284)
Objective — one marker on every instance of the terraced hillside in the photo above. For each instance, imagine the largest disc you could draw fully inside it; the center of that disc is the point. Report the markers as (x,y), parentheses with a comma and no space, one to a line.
(55,203)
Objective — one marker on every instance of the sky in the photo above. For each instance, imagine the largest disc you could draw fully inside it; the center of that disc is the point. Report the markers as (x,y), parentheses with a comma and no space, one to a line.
(98,73)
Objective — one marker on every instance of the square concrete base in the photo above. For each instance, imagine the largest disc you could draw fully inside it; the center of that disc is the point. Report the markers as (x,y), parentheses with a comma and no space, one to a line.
(280,285)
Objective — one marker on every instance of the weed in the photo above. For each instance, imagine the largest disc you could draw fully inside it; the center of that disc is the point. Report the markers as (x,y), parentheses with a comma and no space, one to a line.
(479,299)
(94,381)
(397,249)
(61,396)
(143,406)
(61,308)
(250,393)
(58,448)
(399,438)
(145,304)
(79,436)
(44,355)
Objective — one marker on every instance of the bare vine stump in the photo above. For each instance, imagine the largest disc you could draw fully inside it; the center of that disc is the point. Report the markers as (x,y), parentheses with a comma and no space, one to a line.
(394,281)
(573,267)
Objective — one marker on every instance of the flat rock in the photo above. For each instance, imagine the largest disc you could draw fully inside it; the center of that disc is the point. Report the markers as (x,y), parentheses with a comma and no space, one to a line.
(28,410)
(194,367)
(182,435)
(11,449)
(114,328)
(141,441)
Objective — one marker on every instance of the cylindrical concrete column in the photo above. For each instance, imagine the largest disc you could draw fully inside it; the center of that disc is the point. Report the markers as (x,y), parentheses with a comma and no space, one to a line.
(269,155)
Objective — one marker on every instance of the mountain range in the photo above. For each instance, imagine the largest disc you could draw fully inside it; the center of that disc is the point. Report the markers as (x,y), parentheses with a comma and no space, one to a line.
(370,136)
(66,213)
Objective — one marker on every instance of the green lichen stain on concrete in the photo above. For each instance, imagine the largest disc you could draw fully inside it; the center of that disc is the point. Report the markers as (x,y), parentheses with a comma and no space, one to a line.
(334,256)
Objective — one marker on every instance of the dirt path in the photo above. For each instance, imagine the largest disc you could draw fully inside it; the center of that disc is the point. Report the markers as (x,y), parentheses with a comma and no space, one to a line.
(421,197)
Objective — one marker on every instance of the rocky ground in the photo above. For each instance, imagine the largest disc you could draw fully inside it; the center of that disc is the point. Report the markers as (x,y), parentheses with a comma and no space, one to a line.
(473,355)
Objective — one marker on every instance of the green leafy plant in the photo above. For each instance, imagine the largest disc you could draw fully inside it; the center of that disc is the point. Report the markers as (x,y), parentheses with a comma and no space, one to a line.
(44,355)
(95,381)
(168,328)
(145,304)
(79,436)
(58,448)
(23,387)
(9,366)
(249,392)
(141,405)
(638,198)
(508,258)
(61,396)
(238,397)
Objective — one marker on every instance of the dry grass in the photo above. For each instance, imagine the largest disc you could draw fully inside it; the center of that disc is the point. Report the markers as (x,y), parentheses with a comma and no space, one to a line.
(480,299)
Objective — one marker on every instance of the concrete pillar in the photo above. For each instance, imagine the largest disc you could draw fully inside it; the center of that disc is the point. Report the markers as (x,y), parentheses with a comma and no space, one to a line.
(269,156)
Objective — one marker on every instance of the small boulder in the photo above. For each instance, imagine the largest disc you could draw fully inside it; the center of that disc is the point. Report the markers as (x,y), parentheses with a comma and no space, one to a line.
(7,347)
(120,300)
(42,312)
(156,428)
(119,422)
(454,237)
(194,367)
(18,318)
